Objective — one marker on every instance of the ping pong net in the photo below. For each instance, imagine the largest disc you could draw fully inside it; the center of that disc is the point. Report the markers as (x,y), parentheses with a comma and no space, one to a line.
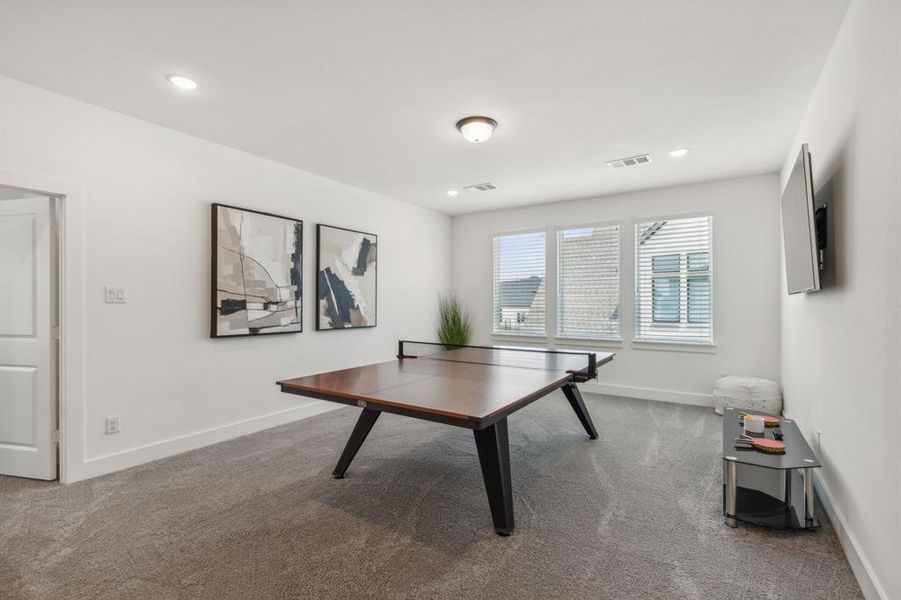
(582,365)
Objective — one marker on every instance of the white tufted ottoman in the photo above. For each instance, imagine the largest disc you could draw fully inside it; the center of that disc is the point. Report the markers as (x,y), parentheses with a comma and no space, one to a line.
(738,391)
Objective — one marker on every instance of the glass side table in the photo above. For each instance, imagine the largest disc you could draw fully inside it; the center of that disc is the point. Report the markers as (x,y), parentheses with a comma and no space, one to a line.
(787,502)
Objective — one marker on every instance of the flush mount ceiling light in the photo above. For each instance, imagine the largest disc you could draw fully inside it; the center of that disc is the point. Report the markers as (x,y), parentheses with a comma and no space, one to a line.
(679,152)
(180,81)
(476,129)
(452,192)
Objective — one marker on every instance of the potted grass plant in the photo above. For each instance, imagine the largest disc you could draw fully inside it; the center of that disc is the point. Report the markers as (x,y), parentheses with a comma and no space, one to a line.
(455,324)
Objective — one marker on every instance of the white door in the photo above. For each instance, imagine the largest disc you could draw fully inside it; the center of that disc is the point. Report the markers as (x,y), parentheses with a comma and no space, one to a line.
(28,350)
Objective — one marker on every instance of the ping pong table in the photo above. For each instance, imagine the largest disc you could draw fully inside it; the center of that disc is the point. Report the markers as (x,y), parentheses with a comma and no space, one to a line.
(476,387)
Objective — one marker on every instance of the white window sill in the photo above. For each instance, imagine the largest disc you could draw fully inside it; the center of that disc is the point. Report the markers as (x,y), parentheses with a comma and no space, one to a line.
(519,336)
(706,348)
(572,341)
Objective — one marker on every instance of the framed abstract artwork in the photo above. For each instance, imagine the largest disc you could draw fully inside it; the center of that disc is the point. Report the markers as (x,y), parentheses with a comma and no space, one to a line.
(347,276)
(257,273)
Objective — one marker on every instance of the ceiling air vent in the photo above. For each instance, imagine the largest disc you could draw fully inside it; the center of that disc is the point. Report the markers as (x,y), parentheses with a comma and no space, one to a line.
(631,161)
(481,187)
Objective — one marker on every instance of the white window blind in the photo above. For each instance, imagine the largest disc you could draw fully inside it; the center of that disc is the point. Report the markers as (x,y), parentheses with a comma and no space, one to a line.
(519,284)
(588,283)
(674,280)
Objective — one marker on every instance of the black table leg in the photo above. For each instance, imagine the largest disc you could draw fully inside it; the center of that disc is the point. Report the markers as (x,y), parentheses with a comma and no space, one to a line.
(575,400)
(361,430)
(494,456)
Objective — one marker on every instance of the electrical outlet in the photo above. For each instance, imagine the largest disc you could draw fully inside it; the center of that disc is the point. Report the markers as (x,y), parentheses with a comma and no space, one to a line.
(818,442)
(115,295)
(113,425)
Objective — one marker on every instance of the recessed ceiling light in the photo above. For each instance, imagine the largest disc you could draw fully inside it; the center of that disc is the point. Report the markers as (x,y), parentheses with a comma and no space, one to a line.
(679,152)
(180,81)
(452,192)
(476,129)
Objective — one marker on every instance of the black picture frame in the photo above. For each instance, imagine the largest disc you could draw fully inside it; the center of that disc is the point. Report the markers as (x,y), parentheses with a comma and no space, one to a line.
(319,324)
(214,270)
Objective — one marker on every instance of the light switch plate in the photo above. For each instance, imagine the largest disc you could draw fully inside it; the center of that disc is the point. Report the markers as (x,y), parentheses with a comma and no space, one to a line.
(115,295)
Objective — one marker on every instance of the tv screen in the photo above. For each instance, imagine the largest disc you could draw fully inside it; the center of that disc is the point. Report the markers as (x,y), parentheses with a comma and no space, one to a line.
(802,265)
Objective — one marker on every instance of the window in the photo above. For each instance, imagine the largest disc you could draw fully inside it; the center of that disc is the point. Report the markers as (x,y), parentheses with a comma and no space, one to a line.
(673,280)
(519,284)
(698,299)
(665,263)
(665,299)
(665,289)
(588,283)
(698,261)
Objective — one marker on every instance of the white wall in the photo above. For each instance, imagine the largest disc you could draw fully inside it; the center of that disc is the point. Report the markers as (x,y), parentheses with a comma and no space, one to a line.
(147,195)
(841,347)
(746,284)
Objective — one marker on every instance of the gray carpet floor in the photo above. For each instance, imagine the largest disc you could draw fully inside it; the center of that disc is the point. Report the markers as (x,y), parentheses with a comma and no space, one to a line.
(634,514)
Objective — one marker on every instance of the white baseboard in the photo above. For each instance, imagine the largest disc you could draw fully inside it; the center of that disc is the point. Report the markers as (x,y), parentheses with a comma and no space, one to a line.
(863,571)
(116,461)
(629,391)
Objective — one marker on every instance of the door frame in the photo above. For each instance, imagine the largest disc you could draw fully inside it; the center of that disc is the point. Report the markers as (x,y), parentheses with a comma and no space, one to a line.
(69,196)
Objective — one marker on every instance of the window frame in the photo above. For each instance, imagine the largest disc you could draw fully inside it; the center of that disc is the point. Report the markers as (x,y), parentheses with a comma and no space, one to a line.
(628,298)
(557,335)
(646,343)
(508,333)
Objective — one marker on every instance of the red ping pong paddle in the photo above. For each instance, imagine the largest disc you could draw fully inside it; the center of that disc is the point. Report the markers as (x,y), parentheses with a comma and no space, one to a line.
(768,421)
(769,446)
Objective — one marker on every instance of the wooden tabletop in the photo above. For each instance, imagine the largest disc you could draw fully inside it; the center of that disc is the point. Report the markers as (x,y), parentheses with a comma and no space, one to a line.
(469,388)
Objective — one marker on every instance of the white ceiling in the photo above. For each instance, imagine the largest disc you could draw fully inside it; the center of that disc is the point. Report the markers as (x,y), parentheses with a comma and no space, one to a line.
(367,93)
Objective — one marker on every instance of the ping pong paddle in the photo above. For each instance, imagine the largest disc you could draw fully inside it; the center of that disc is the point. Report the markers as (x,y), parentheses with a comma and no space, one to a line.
(764,445)
(768,421)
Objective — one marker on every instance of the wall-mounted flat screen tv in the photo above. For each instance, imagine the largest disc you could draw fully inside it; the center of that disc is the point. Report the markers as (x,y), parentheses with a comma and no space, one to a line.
(799,230)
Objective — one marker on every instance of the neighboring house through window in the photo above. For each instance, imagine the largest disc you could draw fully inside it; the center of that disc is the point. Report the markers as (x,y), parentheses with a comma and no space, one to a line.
(519,284)
(673,280)
(588,277)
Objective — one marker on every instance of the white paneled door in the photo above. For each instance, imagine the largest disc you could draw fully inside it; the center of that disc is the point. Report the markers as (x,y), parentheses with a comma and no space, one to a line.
(28,348)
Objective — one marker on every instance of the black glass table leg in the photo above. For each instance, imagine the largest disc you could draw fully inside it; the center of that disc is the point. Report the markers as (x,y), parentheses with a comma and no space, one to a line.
(574,396)
(361,430)
(494,456)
